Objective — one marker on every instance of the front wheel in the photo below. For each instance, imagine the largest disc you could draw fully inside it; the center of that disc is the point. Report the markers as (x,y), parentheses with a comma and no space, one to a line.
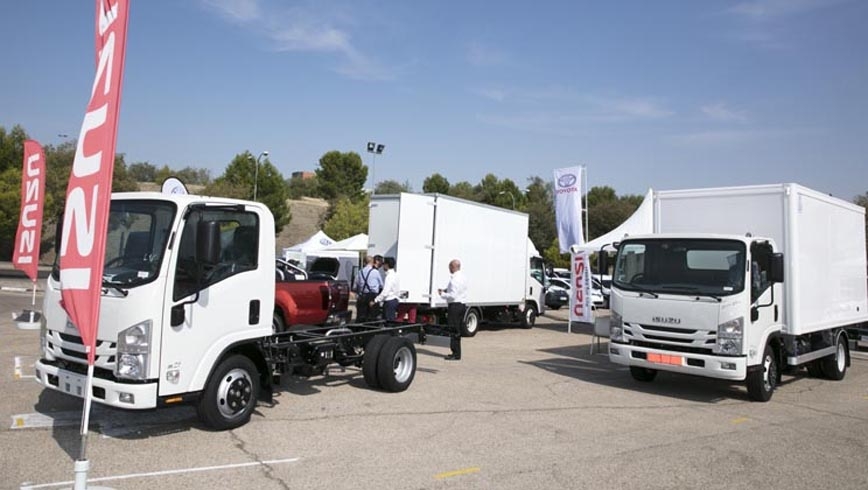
(529,318)
(761,383)
(471,323)
(231,394)
(835,366)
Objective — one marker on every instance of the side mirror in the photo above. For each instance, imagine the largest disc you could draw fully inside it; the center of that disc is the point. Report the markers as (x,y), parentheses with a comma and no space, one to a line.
(602,262)
(776,268)
(207,242)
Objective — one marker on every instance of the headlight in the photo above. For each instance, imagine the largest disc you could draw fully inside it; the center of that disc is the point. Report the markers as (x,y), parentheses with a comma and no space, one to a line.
(134,351)
(616,328)
(729,337)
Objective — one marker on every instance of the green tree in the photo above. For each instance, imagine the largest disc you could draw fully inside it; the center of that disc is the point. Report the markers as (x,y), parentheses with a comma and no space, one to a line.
(436,183)
(194,176)
(464,190)
(347,218)
(341,175)
(299,187)
(862,200)
(142,171)
(553,256)
(606,211)
(393,187)
(541,212)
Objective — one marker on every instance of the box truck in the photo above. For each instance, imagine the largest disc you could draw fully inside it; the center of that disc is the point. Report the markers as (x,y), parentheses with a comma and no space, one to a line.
(741,283)
(424,232)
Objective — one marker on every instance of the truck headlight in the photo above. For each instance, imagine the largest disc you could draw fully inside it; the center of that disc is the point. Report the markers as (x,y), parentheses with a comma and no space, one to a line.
(616,328)
(133,354)
(730,337)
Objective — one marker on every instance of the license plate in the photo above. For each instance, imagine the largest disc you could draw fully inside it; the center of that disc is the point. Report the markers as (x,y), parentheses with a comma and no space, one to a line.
(665,359)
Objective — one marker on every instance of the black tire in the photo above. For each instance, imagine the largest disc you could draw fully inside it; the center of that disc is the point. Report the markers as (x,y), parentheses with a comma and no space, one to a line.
(554,307)
(230,395)
(835,366)
(396,366)
(369,360)
(815,370)
(643,374)
(277,324)
(762,382)
(528,319)
(470,326)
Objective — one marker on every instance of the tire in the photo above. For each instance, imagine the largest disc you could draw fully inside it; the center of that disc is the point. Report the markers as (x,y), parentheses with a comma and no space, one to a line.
(835,366)
(528,320)
(369,360)
(471,323)
(396,366)
(554,307)
(642,374)
(231,394)
(815,370)
(761,383)
(277,324)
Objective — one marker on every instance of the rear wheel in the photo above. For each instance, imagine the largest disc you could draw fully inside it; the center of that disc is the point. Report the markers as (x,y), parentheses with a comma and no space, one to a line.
(835,366)
(761,383)
(369,360)
(231,394)
(643,374)
(396,366)
(529,318)
(277,324)
(471,323)
(814,369)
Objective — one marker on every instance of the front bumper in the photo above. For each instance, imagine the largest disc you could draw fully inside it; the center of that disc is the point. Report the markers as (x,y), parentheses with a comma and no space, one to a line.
(144,395)
(695,364)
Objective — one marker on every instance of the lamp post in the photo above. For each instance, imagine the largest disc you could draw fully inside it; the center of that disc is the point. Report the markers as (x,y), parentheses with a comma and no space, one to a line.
(256,173)
(510,195)
(374,149)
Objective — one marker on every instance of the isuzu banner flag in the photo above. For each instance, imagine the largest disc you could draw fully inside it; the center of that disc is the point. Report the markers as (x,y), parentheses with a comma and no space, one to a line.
(580,300)
(88,195)
(568,207)
(26,254)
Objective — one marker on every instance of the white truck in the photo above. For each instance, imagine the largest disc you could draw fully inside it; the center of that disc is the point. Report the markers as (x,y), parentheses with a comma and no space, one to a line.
(741,283)
(424,232)
(186,316)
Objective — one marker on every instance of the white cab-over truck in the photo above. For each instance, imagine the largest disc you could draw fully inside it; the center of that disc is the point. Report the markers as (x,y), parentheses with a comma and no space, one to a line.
(741,283)
(424,232)
(186,316)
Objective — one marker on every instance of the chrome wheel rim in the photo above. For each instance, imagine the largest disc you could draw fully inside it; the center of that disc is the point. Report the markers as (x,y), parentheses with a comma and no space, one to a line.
(403,364)
(235,393)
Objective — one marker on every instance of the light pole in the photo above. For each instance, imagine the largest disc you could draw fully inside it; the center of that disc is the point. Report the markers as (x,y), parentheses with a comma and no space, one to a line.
(510,195)
(374,149)
(256,173)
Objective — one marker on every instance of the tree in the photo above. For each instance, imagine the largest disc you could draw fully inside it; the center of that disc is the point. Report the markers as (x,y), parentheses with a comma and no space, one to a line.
(347,218)
(341,175)
(553,256)
(436,183)
(393,187)
(541,213)
(142,171)
(862,200)
(464,190)
(299,187)
(606,211)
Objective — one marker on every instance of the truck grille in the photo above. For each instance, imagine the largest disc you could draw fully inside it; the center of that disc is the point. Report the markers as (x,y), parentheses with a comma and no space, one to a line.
(71,348)
(671,338)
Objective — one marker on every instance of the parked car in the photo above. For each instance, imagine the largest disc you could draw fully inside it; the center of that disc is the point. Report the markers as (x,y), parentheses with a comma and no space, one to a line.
(559,291)
(604,284)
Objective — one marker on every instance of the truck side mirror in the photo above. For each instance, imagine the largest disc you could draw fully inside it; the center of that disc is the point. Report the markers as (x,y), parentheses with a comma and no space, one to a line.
(207,242)
(602,262)
(776,268)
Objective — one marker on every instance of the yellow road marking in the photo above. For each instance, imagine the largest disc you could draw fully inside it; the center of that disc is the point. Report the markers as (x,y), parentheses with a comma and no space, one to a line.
(449,474)
(19,422)
(740,420)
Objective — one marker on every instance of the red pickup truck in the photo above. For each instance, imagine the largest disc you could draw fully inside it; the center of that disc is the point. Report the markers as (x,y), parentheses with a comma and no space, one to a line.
(302,301)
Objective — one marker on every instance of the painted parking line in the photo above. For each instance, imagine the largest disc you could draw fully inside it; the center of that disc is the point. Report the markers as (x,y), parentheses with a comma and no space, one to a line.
(450,474)
(18,372)
(151,474)
(46,421)
(740,420)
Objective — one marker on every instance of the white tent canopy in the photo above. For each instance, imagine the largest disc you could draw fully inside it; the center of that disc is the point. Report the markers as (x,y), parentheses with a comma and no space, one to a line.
(318,241)
(640,222)
(357,243)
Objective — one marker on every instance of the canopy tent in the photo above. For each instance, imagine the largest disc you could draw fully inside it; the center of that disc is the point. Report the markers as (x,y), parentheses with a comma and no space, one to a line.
(318,241)
(640,222)
(357,243)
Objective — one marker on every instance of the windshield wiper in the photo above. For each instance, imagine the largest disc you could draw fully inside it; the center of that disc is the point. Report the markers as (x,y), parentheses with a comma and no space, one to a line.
(643,291)
(695,291)
(107,285)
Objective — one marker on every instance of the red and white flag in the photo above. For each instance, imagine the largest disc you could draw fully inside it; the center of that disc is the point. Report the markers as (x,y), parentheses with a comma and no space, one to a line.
(580,275)
(26,255)
(88,196)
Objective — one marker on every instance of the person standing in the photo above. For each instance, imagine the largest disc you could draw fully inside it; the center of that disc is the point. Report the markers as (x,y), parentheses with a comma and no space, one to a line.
(368,285)
(388,297)
(455,295)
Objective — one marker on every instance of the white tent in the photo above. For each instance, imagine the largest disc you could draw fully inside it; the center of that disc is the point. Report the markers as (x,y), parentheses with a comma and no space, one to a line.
(318,241)
(641,222)
(357,243)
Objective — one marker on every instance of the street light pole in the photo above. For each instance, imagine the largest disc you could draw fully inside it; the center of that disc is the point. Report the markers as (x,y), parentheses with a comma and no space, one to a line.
(510,195)
(374,149)
(256,173)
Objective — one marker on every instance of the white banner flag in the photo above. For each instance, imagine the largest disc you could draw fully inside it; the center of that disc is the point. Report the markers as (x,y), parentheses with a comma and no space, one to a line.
(580,299)
(568,207)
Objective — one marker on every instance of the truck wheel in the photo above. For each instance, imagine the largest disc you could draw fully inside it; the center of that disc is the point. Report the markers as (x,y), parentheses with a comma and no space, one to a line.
(815,370)
(231,394)
(369,360)
(471,323)
(529,318)
(835,366)
(397,364)
(761,383)
(642,374)
(277,325)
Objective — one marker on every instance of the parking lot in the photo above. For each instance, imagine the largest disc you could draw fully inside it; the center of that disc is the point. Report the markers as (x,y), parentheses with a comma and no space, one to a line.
(523,409)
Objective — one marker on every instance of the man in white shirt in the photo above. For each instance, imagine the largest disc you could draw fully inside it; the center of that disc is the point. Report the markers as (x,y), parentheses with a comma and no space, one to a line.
(455,295)
(391,289)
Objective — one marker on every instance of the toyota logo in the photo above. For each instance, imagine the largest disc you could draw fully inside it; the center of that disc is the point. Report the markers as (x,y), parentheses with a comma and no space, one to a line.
(567,180)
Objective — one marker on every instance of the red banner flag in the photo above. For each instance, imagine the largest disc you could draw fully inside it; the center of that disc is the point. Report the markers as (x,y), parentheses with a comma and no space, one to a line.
(82,249)
(26,255)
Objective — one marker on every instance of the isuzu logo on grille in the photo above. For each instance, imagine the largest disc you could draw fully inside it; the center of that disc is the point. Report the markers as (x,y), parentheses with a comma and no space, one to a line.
(669,320)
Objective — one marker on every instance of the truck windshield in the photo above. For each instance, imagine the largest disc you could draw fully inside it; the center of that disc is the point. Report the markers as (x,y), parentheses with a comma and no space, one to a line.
(681,266)
(135,242)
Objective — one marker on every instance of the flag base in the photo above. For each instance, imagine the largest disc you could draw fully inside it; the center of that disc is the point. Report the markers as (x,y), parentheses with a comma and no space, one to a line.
(28,320)
(81,467)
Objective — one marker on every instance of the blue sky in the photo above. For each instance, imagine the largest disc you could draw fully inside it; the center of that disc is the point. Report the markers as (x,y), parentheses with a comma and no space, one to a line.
(645,94)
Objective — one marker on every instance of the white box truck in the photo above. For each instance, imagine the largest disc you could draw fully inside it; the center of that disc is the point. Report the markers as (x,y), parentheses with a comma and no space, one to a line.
(741,283)
(424,232)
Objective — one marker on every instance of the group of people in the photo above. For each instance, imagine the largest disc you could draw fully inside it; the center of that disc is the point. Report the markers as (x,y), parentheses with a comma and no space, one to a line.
(373,290)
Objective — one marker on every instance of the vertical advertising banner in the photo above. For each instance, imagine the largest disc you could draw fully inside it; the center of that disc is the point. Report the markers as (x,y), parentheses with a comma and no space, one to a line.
(26,254)
(88,196)
(568,207)
(580,274)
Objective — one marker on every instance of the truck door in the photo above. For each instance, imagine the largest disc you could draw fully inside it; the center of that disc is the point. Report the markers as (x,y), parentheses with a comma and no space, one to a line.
(217,304)
(764,311)
(536,283)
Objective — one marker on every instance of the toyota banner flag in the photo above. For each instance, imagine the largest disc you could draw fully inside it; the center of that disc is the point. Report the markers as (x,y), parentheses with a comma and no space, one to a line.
(568,207)
(82,249)
(26,255)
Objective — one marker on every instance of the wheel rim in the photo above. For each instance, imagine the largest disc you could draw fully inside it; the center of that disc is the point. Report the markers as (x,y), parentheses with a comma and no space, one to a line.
(471,323)
(530,316)
(841,357)
(234,393)
(769,373)
(403,364)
